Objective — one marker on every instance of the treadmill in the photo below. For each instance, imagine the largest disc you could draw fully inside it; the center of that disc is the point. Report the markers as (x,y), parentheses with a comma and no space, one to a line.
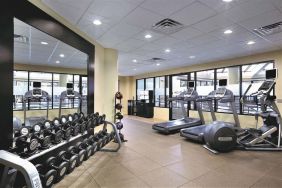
(36,94)
(221,95)
(174,126)
(69,94)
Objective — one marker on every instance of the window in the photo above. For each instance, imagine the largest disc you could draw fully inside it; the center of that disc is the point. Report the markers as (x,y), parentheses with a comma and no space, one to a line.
(46,85)
(149,83)
(84,92)
(179,84)
(232,74)
(59,85)
(205,85)
(140,88)
(20,88)
(160,91)
(255,73)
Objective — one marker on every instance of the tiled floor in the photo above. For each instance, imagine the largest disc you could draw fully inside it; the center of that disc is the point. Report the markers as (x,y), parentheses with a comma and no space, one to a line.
(150,159)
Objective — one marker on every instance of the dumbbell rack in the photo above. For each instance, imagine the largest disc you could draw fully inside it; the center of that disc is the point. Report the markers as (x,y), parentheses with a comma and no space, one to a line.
(116,120)
(40,157)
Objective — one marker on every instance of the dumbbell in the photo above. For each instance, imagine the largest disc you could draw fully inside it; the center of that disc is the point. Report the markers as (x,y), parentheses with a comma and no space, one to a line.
(88,148)
(65,127)
(119,115)
(103,136)
(47,176)
(40,132)
(98,141)
(55,130)
(82,127)
(80,153)
(70,159)
(24,141)
(91,141)
(60,167)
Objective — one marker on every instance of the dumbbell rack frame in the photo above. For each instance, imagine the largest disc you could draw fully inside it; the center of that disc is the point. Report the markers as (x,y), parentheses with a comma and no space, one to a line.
(115,119)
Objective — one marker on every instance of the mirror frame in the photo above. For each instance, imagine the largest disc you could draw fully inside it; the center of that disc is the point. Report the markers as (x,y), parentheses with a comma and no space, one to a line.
(32,15)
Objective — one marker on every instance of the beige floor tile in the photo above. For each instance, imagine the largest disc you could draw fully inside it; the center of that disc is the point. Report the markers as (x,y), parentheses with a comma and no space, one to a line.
(72,177)
(129,183)
(268,182)
(275,172)
(112,174)
(215,179)
(91,184)
(190,185)
(189,171)
(141,165)
(163,177)
(82,181)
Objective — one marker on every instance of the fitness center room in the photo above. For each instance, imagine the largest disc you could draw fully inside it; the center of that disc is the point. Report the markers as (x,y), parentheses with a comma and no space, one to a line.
(140,93)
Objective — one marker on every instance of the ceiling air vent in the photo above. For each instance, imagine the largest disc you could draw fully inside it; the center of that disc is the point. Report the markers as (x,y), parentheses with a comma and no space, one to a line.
(155,59)
(167,26)
(21,38)
(269,29)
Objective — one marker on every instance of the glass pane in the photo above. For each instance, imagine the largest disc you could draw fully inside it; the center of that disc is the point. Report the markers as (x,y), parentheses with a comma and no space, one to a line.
(160,91)
(179,84)
(255,73)
(149,83)
(205,85)
(167,90)
(76,83)
(140,88)
(232,74)
(84,95)
(192,78)
(60,83)
(20,88)
(46,85)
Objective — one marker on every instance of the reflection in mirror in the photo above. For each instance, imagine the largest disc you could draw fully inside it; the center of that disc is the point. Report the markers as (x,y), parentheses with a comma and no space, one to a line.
(39,57)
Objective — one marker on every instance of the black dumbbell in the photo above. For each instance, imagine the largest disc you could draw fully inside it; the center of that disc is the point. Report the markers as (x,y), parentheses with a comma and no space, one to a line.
(91,141)
(84,146)
(71,159)
(24,141)
(80,153)
(60,166)
(47,176)
(55,130)
(66,127)
(83,127)
(98,141)
(113,134)
(39,131)
(119,115)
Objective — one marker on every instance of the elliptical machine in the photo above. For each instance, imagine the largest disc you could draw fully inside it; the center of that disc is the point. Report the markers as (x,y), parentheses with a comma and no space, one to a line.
(265,138)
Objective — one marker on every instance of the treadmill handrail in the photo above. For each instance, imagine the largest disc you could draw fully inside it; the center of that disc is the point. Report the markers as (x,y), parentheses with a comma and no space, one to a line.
(28,170)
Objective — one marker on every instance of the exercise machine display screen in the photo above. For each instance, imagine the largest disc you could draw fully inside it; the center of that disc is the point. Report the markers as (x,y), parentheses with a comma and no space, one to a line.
(220,92)
(222,82)
(271,74)
(266,85)
(69,85)
(191,84)
(37,89)
(70,91)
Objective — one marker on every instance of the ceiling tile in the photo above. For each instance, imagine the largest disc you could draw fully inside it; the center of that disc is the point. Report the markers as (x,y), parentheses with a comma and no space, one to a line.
(186,33)
(193,13)
(219,5)
(165,42)
(143,18)
(165,7)
(213,23)
(203,39)
(262,20)
(129,45)
(141,36)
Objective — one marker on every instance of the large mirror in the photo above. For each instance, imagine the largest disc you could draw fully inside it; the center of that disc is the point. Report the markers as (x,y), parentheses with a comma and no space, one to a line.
(44,62)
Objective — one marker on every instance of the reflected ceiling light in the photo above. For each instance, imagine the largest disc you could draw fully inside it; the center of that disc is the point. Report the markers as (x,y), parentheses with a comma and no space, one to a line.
(62,55)
(167,50)
(251,42)
(158,64)
(148,36)
(227,1)
(44,43)
(134,60)
(57,62)
(228,31)
(97,22)
(192,56)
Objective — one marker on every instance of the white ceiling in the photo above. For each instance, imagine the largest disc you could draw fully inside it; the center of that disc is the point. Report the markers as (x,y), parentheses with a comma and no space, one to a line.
(34,53)
(125,22)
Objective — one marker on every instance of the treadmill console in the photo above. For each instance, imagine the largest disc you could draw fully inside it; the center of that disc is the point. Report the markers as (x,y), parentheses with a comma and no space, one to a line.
(36,92)
(70,92)
(266,86)
(220,92)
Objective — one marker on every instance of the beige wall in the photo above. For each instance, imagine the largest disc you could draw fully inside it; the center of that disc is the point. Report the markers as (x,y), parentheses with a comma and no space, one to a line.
(105,59)
(162,113)
(125,87)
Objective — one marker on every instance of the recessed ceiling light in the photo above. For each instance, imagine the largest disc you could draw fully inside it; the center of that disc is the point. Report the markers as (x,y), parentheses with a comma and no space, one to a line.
(134,60)
(62,55)
(158,64)
(251,42)
(228,31)
(57,62)
(227,1)
(148,36)
(44,43)
(192,56)
(134,69)
(97,22)
(167,50)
